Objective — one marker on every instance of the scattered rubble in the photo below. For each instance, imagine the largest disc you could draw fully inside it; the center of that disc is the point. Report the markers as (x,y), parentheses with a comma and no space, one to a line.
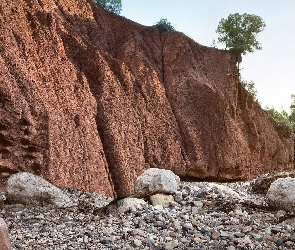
(202,216)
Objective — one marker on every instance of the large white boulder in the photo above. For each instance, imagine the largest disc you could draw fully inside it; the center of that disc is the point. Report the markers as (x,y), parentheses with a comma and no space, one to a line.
(281,194)
(155,181)
(27,188)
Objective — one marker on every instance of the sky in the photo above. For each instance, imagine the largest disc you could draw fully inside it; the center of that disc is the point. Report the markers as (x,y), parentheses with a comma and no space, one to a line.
(272,69)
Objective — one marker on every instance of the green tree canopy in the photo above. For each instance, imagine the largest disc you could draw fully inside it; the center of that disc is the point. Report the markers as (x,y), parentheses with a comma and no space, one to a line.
(239,33)
(114,6)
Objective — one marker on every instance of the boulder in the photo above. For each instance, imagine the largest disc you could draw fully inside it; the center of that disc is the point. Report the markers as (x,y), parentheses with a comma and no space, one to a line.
(261,184)
(162,199)
(155,181)
(27,188)
(4,236)
(281,194)
(119,207)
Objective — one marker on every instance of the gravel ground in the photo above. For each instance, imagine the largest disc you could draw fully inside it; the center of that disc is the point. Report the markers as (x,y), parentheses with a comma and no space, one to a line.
(205,216)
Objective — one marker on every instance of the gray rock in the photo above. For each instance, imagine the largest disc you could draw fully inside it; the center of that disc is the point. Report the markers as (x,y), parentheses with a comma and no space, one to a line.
(126,205)
(198,204)
(150,242)
(281,194)
(106,240)
(27,188)
(279,242)
(239,235)
(137,243)
(188,227)
(178,197)
(275,230)
(154,181)
(224,190)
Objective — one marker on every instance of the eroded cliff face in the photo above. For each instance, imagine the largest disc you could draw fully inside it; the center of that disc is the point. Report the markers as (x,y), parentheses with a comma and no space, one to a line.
(90,100)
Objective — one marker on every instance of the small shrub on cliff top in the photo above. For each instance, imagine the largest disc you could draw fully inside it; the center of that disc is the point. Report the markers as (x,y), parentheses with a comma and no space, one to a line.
(114,6)
(164,25)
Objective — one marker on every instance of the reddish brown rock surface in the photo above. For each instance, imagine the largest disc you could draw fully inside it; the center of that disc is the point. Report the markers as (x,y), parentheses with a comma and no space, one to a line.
(89,100)
(4,236)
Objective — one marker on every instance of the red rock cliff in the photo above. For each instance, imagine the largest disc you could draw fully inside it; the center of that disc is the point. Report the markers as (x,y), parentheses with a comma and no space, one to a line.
(89,100)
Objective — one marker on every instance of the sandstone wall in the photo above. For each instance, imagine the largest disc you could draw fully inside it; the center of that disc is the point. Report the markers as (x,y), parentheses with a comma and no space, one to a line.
(89,100)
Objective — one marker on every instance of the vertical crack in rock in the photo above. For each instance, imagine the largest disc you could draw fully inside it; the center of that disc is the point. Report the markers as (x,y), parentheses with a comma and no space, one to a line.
(181,134)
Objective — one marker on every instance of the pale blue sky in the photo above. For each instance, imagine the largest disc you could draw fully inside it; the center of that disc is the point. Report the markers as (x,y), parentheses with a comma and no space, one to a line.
(272,69)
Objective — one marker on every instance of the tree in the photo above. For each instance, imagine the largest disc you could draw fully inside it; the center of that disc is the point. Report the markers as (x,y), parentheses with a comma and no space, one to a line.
(114,6)
(250,87)
(239,33)
(164,25)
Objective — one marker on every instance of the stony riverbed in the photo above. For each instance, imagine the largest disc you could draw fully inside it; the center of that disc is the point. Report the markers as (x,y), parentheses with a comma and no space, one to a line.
(204,216)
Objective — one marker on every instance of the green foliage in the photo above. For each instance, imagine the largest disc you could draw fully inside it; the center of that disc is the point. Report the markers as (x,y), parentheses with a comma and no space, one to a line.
(292,106)
(292,115)
(239,32)
(250,87)
(114,6)
(165,25)
(283,116)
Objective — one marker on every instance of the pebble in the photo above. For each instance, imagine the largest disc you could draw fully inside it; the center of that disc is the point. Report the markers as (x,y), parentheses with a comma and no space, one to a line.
(275,230)
(224,234)
(247,229)
(137,242)
(103,240)
(215,235)
(198,204)
(150,242)
(202,217)
(239,235)
(279,242)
